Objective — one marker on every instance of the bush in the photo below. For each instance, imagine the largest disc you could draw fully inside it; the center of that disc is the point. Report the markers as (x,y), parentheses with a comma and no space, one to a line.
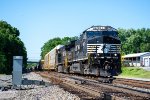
(2,63)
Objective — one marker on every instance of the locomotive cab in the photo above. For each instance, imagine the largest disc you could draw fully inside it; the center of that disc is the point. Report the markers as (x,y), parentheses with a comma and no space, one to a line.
(103,46)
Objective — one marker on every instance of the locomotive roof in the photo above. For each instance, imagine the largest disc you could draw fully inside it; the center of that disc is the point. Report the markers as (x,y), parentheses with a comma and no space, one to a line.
(101,28)
(57,47)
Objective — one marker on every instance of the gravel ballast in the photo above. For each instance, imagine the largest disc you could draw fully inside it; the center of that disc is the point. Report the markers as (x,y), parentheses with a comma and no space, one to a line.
(52,92)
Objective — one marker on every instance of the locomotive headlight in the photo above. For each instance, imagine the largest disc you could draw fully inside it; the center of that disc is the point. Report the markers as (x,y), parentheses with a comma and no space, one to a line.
(115,54)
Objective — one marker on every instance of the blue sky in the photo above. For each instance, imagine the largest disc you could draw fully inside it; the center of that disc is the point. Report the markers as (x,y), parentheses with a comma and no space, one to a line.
(41,20)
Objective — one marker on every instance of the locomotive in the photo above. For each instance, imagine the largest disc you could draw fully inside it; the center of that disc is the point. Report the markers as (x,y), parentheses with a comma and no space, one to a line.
(96,52)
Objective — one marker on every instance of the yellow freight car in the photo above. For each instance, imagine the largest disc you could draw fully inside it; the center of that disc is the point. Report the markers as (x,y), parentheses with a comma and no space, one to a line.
(50,59)
(46,62)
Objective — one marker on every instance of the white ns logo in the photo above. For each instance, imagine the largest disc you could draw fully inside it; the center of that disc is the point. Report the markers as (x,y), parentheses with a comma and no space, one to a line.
(100,49)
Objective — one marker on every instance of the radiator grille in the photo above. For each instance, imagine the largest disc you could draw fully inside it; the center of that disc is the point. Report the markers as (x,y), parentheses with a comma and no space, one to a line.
(108,48)
(94,48)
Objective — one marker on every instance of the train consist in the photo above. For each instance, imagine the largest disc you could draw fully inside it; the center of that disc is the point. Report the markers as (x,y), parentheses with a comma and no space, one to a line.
(96,52)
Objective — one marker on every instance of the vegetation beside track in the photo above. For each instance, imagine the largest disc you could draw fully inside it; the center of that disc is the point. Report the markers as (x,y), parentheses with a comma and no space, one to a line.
(10,45)
(30,65)
(134,72)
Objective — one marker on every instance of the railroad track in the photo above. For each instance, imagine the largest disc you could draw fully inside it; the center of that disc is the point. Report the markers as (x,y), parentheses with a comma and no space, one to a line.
(121,89)
(107,91)
(70,86)
(133,83)
(118,88)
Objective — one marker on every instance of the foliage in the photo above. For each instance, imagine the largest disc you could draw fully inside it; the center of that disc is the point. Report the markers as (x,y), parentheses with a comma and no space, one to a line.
(11,45)
(31,65)
(134,72)
(135,41)
(2,62)
(50,44)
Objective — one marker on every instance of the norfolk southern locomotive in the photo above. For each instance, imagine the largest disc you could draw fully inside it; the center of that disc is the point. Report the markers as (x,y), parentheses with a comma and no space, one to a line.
(96,52)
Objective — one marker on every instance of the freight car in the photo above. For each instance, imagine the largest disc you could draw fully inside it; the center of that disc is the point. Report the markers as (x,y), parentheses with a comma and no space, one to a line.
(50,59)
(41,65)
(96,52)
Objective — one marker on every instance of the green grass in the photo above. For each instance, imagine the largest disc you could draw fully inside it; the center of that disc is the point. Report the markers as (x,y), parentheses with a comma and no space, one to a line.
(134,72)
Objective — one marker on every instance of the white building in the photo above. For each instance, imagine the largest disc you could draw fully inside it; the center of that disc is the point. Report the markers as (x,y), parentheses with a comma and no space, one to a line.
(138,59)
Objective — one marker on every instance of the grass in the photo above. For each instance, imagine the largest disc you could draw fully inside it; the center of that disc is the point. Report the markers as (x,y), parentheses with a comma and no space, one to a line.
(134,72)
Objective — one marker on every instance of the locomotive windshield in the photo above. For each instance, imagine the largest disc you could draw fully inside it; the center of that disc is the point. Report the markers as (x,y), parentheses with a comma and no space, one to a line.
(100,33)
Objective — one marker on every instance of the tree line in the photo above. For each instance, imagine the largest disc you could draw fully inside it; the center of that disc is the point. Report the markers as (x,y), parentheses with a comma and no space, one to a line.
(10,45)
(50,44)
(132,40)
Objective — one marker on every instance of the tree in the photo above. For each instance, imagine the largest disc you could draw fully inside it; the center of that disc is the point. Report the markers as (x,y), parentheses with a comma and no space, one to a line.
(11,45)
(50,44)
(2,62)
(134,41)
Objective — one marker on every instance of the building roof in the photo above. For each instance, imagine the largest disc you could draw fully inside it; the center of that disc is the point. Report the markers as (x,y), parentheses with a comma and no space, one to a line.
(135,55)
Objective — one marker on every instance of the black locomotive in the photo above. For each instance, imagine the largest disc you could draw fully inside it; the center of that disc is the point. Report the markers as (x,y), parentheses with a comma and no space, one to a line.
(96,52)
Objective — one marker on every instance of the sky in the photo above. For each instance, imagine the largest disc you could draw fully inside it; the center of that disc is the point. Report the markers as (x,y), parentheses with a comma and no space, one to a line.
(41,20)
